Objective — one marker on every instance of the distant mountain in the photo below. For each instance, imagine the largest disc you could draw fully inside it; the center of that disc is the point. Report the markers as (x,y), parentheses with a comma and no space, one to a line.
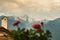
(54,27)
(23,24)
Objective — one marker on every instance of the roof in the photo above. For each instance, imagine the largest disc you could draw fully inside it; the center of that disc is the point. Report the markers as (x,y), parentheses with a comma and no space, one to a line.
(4,17)
(2,29)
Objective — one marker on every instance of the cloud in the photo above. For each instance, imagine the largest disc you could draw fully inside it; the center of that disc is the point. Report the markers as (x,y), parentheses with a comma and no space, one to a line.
(31,4)
(33,8)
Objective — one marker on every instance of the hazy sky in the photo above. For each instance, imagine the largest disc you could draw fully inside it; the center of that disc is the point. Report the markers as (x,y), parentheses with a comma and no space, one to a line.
(37,9)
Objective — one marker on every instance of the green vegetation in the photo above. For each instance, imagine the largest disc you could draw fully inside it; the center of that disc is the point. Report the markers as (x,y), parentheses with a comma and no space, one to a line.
(33,34)
(23,34)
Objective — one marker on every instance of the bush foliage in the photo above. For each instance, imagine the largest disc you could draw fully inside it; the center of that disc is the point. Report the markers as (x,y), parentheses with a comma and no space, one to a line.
(23,34)
(32,34)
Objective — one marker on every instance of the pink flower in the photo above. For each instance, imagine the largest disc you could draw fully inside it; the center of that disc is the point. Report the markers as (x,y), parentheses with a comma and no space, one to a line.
(16,22)
(38,29)
(36,26)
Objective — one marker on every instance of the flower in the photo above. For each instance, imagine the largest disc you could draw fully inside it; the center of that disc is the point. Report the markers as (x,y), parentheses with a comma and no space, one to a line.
(16,22)
(38,29)
(36,26)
